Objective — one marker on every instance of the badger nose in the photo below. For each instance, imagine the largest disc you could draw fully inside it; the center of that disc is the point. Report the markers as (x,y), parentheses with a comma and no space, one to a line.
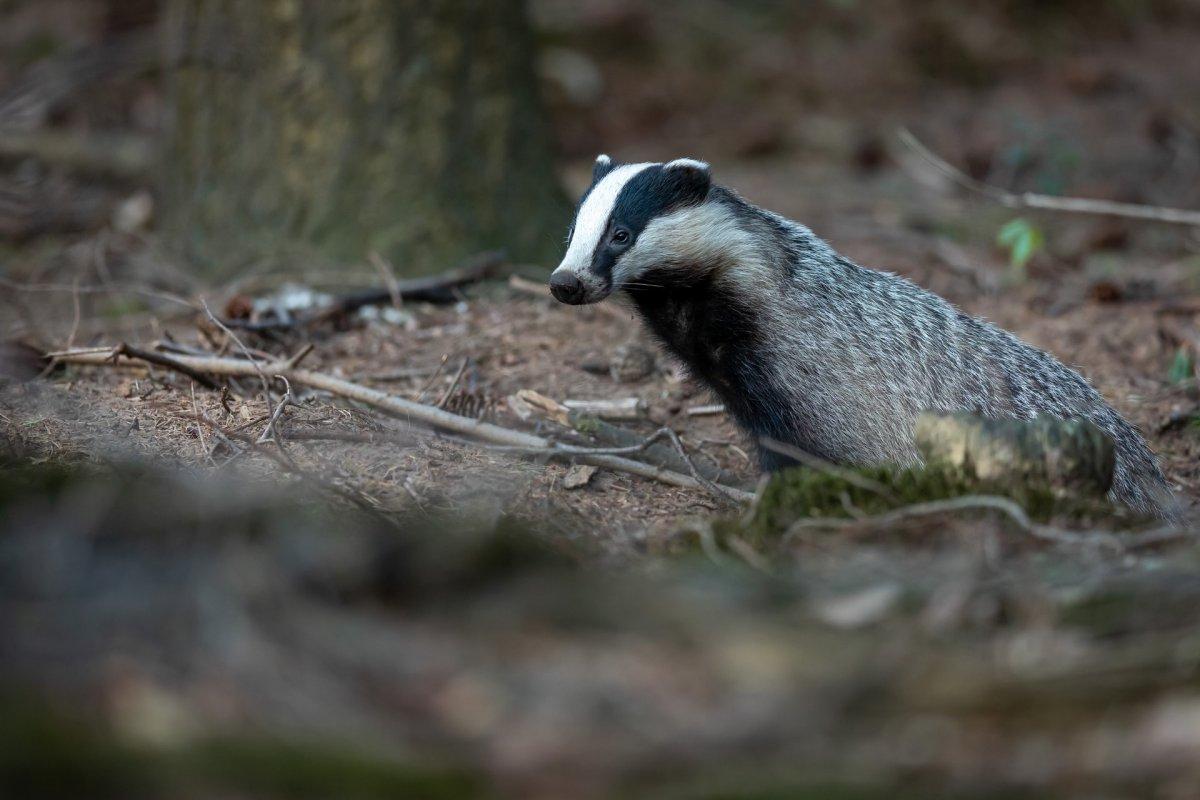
(566,288)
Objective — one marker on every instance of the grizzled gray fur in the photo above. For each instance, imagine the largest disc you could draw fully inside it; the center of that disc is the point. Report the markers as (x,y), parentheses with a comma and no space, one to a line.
(803,345)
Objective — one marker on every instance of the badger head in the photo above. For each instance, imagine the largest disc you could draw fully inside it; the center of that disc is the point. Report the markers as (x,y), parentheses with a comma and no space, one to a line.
(634,224)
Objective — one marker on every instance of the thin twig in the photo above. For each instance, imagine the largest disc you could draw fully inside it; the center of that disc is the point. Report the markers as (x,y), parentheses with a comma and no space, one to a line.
(151,357)
(269,431)
(1077,205)
(283,459)
(426,415)
(199,428)
(453,383)
(245,351)
(300,355)
(389,277)
(971,502)
(559,449)
(440,288)
(78,315)
(436,374)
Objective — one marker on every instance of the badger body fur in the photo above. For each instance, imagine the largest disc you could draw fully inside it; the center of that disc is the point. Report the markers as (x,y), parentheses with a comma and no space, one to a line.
(801,344)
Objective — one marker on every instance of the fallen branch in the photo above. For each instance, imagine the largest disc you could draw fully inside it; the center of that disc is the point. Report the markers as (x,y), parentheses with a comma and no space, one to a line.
(246,352)
(968,503)
(453,383)
(614,438)
(426,415)
(441,288)
(704,411)
(625,408)
(149,356)
(280,457)
(640,447)
(1077,205)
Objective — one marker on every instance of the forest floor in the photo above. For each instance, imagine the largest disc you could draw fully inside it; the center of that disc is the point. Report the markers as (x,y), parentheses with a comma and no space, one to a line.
(945,655)
(1122,332)
(205,619)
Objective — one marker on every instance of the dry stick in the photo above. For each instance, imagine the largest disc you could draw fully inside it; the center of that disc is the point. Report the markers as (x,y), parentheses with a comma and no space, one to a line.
(78,314)
(288,463)
(453,383)
(434,288)
(268,433)
(433,377)
(662,433)
(411,411)
(388,275)
(300,355)
(968,502)
(1077,205)
(199,428)
(354,437)
(161,359)
(701,411)
(246,351)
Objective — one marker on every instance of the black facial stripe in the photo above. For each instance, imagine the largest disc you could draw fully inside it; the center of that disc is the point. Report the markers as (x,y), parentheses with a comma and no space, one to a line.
(645,197)
(651,193)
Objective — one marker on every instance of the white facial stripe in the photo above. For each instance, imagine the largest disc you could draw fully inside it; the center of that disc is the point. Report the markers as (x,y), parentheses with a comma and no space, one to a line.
(592,219)
(687,239)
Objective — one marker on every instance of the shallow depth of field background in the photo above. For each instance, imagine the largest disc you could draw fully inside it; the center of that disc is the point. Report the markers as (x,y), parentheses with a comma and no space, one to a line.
(200,598)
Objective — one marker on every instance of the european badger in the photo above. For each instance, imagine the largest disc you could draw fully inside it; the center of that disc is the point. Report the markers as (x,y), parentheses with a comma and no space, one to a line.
(803,345)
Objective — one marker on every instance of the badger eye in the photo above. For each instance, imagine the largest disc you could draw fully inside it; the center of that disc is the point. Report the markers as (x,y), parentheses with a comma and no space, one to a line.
(620,236)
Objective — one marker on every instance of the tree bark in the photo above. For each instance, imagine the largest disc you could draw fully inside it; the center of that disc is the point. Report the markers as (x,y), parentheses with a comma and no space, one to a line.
(327,130)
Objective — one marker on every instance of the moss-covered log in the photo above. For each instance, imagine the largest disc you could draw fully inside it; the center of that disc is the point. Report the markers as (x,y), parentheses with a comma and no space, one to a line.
(1068,456)
(328,130)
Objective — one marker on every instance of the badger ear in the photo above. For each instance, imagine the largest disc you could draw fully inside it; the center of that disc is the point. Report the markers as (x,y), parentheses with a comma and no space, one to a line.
(689,178)
(602,167)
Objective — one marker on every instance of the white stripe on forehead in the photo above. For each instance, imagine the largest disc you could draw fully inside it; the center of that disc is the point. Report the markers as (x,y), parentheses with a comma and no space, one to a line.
(592,219)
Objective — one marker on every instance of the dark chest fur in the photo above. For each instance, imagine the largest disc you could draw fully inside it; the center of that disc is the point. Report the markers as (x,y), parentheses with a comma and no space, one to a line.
(719,339)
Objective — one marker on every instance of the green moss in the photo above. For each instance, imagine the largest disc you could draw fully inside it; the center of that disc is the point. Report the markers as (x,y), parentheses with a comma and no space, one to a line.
(587,424)
(806,493)
(44,754)
(281,769)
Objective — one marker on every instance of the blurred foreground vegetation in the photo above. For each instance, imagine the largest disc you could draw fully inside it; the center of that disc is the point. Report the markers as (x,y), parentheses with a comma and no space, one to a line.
(167,636)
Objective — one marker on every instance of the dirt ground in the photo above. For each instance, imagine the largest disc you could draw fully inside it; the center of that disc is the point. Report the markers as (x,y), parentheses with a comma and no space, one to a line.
(797,109)
(198,593)
(1121,332)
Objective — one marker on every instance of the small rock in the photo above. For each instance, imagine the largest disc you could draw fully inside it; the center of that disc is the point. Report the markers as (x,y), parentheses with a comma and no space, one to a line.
(595,367)
(632,362)
(859,608)
(134,213)
(578,476)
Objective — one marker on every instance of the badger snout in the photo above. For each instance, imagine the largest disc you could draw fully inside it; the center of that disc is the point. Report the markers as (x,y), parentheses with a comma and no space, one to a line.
(567,288)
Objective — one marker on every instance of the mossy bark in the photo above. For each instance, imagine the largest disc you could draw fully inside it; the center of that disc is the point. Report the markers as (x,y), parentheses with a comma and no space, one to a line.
(1067,456)
(300,128)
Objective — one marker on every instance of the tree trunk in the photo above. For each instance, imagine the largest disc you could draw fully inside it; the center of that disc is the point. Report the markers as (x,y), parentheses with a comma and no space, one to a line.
(327,130)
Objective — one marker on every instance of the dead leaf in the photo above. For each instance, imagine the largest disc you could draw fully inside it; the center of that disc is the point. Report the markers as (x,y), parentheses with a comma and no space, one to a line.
(578,476)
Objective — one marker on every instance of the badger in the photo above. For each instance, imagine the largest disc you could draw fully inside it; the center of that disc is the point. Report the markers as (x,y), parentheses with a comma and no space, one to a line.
(801,344)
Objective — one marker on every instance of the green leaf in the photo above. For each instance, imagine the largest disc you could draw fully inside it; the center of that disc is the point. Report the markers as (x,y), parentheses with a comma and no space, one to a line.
(1022,239)
(1182,368)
